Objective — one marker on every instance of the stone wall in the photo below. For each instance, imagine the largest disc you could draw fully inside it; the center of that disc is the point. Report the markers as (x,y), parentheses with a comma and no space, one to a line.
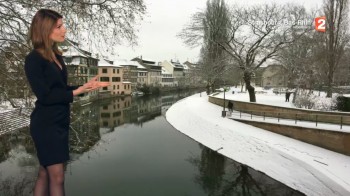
(284,112)
(332,140)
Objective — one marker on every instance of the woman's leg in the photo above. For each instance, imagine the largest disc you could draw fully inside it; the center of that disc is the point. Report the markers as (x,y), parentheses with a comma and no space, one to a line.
(41,184)
(56,177)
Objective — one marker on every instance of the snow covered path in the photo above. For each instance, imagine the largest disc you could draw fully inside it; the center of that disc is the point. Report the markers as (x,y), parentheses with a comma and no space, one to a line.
(304,167)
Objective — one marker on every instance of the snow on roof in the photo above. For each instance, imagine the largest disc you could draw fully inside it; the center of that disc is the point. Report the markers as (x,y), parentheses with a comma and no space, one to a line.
(104,63)
(164,71)
(124,62)
(176,64)
(72,51)
(185,66)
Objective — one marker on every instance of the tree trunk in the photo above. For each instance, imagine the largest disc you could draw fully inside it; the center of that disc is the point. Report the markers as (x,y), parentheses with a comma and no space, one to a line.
(251,90)
(329,84)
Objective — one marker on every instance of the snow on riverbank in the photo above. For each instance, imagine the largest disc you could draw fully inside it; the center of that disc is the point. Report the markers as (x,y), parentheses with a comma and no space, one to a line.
(307,168)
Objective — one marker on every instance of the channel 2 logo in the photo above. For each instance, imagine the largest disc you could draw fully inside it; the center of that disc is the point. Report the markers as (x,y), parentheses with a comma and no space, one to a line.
(320,24)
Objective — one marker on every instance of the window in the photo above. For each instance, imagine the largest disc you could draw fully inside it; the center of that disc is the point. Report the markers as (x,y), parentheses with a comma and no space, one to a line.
(104,79)
(115,79)
(105,88)
(68,60)
(117,71)
(105,115)
(113,70)
(117,86)
(104,70)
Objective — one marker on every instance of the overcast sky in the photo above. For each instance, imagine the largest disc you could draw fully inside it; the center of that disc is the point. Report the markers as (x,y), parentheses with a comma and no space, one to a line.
(165,19)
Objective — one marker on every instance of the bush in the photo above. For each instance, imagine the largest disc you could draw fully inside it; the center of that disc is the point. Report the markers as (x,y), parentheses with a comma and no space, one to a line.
(311,101)
(343,104)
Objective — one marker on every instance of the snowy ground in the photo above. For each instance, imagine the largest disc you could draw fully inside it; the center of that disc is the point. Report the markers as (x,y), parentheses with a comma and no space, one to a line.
(307,168)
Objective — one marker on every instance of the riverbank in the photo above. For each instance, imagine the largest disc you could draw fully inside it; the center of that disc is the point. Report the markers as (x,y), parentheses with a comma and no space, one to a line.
(304,167)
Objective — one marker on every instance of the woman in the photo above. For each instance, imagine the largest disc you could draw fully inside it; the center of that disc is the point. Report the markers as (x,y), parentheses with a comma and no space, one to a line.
(47,76)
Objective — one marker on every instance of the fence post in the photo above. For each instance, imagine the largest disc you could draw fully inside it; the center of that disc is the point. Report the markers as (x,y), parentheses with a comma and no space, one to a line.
(278,114)
(316,120)
(296,116)
(341,122)
(264,115)
(251,115)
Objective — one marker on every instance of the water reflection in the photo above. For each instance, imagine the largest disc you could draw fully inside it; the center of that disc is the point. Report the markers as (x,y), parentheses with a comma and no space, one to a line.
(198,170)
(219,176)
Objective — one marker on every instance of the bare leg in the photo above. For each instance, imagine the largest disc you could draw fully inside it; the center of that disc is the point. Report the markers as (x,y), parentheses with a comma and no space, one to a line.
(42,182)
(56,176)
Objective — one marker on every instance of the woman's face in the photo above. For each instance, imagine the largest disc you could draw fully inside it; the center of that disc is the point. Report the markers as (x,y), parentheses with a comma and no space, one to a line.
(59,32)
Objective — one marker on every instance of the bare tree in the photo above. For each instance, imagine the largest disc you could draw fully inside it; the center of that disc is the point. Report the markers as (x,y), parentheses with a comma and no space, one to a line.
(208,28)
(336,37)
(258,33)
(255,35)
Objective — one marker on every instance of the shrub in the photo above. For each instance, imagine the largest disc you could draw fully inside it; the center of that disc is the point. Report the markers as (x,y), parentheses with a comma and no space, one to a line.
(343,103)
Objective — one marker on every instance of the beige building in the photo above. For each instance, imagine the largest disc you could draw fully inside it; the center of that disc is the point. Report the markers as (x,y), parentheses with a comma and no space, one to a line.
(113,74)
(177,70)
(113,115)
(130,71)
(274,75)
(167,79)
(154,71)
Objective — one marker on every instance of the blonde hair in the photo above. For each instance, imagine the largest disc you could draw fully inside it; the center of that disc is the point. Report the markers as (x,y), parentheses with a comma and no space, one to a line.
(43,23)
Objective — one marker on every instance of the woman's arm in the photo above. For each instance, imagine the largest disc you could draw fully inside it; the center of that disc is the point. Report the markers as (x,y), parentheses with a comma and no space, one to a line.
(44,94)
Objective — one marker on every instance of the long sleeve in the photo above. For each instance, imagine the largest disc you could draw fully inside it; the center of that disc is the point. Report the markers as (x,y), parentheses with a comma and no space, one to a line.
(70,88)
(45,94)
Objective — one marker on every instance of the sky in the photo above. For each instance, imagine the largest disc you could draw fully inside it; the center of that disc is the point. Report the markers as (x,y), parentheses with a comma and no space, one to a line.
(165,19)
(313,170)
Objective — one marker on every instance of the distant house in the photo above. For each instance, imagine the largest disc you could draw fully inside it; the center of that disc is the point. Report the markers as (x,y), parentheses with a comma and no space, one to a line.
(81,65)
(192,74)
(154,75)
(109,72)
(167,79)
(177,70)
(130,71)
(274,75)
(142,75)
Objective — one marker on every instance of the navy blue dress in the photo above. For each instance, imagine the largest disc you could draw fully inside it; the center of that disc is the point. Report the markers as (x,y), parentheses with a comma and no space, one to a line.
(49,121)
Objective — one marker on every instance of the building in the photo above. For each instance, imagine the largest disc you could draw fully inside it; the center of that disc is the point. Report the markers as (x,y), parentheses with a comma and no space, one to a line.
(81,65)
(154,71)
(142,75)
(130,71)
(177,71)
(109,72)
(274,75)
(192,74)
(167,79)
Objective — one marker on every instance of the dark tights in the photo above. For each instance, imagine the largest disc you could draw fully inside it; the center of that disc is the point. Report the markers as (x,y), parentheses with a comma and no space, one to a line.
(50,181)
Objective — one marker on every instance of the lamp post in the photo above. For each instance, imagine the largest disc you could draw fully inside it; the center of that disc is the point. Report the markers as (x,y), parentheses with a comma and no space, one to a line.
(223,113)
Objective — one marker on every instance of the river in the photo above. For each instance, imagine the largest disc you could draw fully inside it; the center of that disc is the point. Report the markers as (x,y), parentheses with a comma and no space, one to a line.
(125,146)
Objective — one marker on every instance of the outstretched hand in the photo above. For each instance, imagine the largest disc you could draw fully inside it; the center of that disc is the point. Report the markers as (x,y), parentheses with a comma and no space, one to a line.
(91,85)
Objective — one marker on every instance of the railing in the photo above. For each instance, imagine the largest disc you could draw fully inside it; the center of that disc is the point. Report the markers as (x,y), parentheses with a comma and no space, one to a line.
(295,117)
(15,119)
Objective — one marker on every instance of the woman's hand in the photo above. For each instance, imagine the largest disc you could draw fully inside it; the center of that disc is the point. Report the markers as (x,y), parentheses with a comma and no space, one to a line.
(91,85)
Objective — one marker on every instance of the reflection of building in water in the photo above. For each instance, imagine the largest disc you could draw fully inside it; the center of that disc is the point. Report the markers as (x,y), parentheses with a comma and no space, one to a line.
(167,101)
(148,109)
(127,110)
(112,115)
